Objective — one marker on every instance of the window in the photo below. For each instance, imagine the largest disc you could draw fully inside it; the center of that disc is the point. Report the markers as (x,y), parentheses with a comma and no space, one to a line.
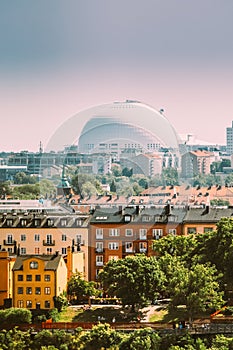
(171,218)
(22,251)
(142,247)
(63,238)
(9,239)
(113,245)
(78,239)
(20,290)
(128,232)
(192,230)
(49,239)
(20,303)
(37,290)
(38,278)
(49,251)
(63,222)
(114,232)
(23,222)
(50,222)
(34,265)
(99,247)
(9,222)
(79,222)
(146,218)
(127,218)
(28,304)
(208,229)
(99,233)
(29,278)
(37,222)
(157,233)
(37,238)
(142,233)
(128,247)
(47,304)
(47,278)
(28,290)
(20,277)
(37,250)
(172,231)
(23,238)
(158,218)
(63,251)
(99,260)
(47,290)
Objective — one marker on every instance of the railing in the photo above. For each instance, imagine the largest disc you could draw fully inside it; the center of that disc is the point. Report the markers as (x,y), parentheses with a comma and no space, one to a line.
(48,243)
(6,242)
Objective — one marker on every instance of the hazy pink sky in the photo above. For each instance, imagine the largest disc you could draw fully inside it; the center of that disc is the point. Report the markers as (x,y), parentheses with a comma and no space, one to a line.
(59,58)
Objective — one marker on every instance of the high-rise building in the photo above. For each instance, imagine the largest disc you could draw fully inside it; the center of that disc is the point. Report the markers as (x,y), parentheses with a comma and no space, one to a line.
(230,139)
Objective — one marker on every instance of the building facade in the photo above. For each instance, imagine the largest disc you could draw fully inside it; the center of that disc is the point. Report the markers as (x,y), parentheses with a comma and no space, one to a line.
(37,280)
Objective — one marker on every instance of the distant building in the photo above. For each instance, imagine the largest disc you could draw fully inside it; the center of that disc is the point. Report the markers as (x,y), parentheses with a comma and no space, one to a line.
(229,137)
(196,162)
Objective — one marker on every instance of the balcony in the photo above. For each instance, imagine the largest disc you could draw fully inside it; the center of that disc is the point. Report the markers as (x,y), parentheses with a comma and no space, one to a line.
(48,243)
(6,242)
(99,263)
(99,250)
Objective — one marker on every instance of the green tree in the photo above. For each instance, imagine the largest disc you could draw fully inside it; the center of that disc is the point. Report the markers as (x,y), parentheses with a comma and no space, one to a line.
(77,287)
(100,337)
(15,339)
(47,188)
(59,339)
(26,191)
(116,170)
(88,189)
(127,172)
(79,180)
(169,177)
(5,189)
(196,287)
(142,339)
(136,280)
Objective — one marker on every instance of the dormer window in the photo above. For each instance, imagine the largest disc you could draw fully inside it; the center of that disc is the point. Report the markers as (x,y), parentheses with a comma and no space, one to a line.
(33,265)
(50,222)
(146,218)
(37,222)
(63,222)
(158,218)
(23,222)
(172,218)
(79,222)
(127,218)
(9,222)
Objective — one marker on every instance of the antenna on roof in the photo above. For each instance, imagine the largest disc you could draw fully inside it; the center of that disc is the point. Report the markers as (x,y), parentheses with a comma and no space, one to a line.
(41,148)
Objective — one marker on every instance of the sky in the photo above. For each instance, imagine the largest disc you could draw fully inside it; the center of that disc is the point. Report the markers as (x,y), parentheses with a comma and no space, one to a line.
(58,58)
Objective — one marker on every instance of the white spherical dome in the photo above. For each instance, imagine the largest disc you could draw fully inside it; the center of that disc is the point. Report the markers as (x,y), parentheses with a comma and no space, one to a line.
(129,124)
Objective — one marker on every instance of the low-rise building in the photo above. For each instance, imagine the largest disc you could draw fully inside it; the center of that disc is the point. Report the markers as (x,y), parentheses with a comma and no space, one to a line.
(37,280)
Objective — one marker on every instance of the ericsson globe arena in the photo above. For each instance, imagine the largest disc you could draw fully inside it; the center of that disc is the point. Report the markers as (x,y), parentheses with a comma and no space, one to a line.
(120,126)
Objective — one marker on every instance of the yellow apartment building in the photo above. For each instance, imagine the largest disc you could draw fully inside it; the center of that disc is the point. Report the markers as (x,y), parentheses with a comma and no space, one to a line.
(37,280)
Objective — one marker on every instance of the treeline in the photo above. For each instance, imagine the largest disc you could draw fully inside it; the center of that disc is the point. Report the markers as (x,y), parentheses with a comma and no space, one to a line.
(103,337)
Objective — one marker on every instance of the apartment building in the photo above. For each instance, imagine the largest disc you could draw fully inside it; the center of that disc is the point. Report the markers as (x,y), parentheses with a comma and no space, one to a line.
(37,279)
(44,231)
(196,162)
(115,233)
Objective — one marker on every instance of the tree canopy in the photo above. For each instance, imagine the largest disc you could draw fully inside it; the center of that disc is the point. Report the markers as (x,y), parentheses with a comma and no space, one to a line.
(136,280)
